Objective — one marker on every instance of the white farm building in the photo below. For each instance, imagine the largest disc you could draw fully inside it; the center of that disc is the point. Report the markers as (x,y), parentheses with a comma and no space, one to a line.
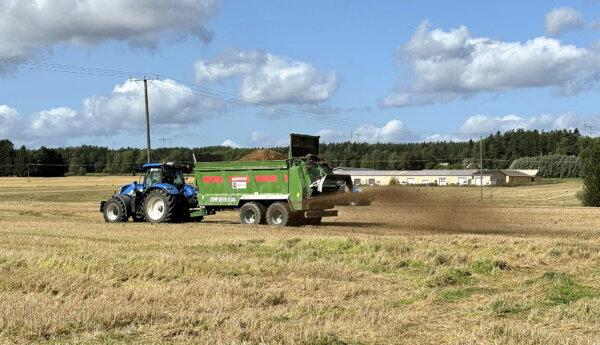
(447,177)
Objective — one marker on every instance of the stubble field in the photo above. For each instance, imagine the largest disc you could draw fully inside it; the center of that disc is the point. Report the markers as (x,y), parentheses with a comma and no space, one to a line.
(421,266)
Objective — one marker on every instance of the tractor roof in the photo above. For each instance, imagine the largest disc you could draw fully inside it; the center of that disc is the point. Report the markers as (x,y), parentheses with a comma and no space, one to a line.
(158,165)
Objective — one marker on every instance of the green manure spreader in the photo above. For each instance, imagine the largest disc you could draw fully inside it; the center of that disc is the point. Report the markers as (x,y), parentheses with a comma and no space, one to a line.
(299,190)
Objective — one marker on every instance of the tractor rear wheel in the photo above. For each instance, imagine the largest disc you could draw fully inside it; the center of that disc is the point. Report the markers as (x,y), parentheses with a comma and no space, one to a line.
(115,211)
(279,214)
(252,213)
(160,207)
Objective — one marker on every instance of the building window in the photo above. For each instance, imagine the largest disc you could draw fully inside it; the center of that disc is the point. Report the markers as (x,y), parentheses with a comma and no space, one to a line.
(371,182)
(357,182)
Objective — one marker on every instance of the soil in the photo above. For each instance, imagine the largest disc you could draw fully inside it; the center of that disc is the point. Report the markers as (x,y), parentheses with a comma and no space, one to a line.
(263,155)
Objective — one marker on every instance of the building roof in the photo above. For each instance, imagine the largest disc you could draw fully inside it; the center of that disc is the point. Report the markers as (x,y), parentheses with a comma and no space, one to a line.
(371,172)
(433,172)
(339,169)
(519,173)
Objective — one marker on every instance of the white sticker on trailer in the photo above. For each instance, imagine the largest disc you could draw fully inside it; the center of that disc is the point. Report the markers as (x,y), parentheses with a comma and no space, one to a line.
(238,184)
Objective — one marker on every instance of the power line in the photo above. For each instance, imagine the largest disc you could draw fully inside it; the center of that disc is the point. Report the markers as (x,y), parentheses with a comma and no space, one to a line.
(239,100)
(200,90)
(204,91)
(63,68)
(223,96)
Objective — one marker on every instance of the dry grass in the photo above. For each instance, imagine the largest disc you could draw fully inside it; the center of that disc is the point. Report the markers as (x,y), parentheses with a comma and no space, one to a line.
(429,265)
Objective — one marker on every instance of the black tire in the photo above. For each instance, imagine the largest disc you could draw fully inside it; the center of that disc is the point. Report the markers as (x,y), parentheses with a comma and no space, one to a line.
(115,211)
(280,214)
(313,221)
(252,213)
(160,207)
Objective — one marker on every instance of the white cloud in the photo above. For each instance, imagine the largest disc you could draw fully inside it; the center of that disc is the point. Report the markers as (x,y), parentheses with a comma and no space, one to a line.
(170,103)
(268,78)
(10,122)
(263,139)
(446,65)
(28,26)
(172,106)
(562,19)
(477,124)
(58,123)
(230,143)
(393,131)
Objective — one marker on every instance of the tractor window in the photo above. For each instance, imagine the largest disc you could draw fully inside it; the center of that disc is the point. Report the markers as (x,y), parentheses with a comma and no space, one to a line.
(174,177)
(179,178)
(153,176)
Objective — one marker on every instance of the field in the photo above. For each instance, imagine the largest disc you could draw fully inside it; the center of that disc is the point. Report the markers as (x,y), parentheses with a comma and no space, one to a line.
(422,266)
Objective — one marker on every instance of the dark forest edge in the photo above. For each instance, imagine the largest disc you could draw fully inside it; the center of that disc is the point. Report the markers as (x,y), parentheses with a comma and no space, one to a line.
(555,153)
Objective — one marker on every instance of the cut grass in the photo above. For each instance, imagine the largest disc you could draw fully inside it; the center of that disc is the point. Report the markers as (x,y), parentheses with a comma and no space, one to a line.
(420,271)
(561,288)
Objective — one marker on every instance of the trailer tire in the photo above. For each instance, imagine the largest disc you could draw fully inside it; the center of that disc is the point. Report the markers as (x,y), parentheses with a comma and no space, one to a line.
(252,213)
(160,207)
(280,214)
(115,211)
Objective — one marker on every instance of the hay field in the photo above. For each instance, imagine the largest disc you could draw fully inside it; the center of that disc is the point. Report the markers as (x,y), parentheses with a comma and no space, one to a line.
(421,266)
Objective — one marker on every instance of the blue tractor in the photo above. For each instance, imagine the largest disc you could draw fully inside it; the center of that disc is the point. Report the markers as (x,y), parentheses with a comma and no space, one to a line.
(162,197)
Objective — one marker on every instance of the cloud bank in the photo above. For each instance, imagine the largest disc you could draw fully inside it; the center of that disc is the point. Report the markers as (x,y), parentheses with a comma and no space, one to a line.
(446,65)
(26,27)
(121,111)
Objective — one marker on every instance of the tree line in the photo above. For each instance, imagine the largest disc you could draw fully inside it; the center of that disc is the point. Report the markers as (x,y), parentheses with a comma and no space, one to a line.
(499,151)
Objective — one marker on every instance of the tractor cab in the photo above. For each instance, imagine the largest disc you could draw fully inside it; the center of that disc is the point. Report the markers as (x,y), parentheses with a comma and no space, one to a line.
(155,173)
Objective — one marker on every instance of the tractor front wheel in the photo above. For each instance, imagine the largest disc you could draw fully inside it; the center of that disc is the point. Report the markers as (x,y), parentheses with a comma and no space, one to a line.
(159,207)
(115,211)
(279,214)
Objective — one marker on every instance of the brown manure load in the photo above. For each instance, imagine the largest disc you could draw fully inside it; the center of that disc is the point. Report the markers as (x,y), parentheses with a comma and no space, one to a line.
(263,155)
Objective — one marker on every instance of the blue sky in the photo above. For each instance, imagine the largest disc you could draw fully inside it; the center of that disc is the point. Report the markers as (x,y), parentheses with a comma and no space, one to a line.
(390,71)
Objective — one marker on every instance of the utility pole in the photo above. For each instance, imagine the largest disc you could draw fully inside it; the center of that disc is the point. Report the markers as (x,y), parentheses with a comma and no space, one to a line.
(147,119)
(145,86)
(354,134)
(165,141)
(481,167)
(27,155)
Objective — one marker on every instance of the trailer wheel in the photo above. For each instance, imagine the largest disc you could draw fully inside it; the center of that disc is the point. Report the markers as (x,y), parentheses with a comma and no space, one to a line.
(279,214)
(252,213)
(159,207)
(115,211)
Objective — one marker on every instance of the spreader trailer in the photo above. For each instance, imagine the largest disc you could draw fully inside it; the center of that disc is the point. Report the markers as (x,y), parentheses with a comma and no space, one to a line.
(299,190)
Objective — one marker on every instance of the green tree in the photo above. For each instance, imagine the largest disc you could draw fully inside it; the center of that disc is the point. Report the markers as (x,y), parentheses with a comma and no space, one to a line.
(21,161)
(590,171)
(7,155)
